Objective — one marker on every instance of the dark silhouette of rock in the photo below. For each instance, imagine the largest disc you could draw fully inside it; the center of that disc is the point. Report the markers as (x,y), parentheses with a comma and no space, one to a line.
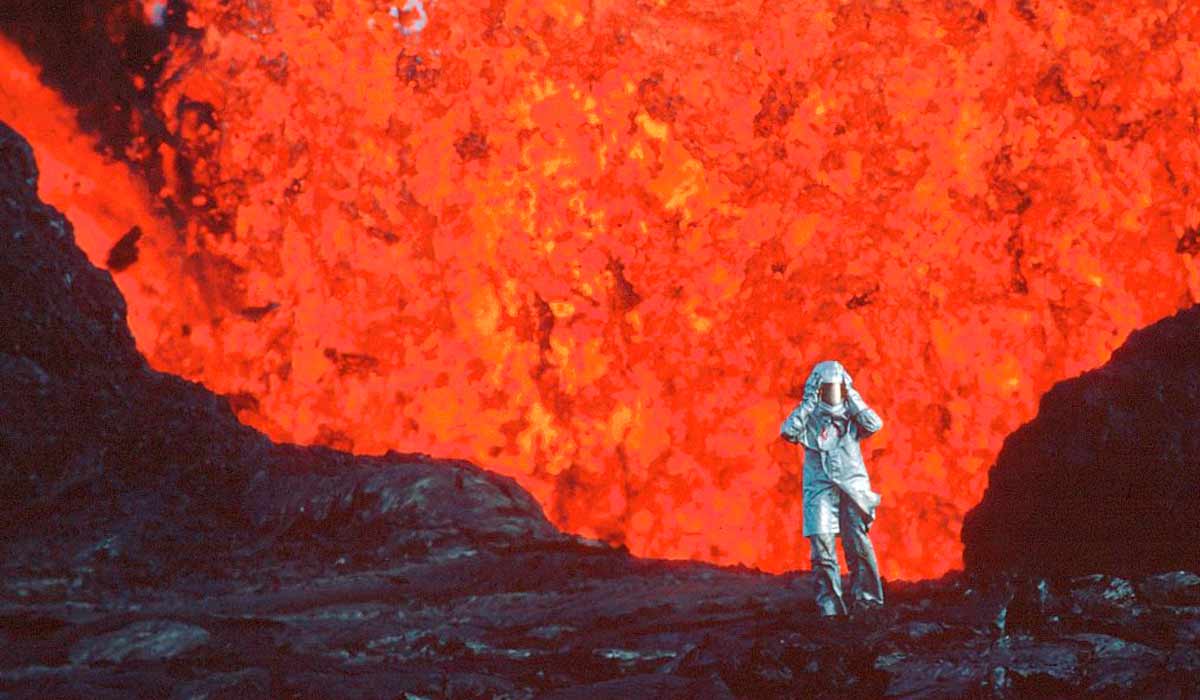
(125,251)
(1106,478)
(154,547)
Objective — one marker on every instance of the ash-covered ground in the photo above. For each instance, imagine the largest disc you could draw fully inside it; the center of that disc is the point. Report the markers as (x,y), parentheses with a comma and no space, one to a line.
(154,547)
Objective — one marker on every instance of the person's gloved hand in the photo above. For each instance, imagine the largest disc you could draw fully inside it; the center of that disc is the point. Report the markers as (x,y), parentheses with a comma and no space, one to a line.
(794,423)
(854,401)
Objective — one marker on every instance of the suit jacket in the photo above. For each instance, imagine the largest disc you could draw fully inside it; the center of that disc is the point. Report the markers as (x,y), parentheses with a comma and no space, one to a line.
(833,461)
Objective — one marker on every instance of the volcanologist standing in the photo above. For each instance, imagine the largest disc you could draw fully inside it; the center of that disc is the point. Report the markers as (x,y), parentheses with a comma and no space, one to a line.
(829,422)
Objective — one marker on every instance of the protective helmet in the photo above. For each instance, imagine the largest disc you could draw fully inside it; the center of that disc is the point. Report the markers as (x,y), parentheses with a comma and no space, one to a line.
(830,379)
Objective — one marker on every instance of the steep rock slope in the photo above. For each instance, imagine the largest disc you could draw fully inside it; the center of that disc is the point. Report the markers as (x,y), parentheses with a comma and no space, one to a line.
(1106,478)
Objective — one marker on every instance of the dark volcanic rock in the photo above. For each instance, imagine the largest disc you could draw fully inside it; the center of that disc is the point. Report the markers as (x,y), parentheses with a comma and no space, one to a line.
(1172,588)
(148,640)
(154,547)
(1106,478)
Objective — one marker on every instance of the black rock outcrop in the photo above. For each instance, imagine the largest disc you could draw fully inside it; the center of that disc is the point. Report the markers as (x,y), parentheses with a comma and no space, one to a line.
(151,546)
(1106,478)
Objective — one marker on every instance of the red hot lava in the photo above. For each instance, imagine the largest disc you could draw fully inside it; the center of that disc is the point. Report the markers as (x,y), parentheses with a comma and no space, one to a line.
(598,246)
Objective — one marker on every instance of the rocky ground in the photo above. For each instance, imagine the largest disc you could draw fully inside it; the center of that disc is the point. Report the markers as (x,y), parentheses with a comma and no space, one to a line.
(572,621)
(154,547)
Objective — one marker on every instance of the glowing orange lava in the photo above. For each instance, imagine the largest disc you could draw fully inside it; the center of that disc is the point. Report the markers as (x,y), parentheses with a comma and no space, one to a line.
(101,198)
(598,246)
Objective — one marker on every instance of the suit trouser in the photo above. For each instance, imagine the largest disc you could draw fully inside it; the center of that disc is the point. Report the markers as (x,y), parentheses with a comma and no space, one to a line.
(865,586)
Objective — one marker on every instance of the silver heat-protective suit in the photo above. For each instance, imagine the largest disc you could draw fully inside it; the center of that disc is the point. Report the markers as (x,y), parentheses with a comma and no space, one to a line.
(837,490)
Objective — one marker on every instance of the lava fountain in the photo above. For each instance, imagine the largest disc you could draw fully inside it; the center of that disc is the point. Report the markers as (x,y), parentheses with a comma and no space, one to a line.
(597,246)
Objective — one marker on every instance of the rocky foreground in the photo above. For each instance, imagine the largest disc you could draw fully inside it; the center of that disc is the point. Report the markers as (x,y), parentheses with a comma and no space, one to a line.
(576,622)
(154,547)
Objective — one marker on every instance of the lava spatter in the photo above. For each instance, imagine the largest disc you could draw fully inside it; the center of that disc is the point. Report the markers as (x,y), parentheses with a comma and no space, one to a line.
(598,246)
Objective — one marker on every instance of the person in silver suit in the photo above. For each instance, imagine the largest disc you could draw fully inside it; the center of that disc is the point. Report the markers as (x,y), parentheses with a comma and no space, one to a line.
(829,423)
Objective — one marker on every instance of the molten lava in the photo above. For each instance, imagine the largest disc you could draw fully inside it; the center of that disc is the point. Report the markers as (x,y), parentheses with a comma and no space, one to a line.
(598,246)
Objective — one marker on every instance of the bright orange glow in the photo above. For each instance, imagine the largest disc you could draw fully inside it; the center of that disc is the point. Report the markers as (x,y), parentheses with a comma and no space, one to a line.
(598,246)
(101,198)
